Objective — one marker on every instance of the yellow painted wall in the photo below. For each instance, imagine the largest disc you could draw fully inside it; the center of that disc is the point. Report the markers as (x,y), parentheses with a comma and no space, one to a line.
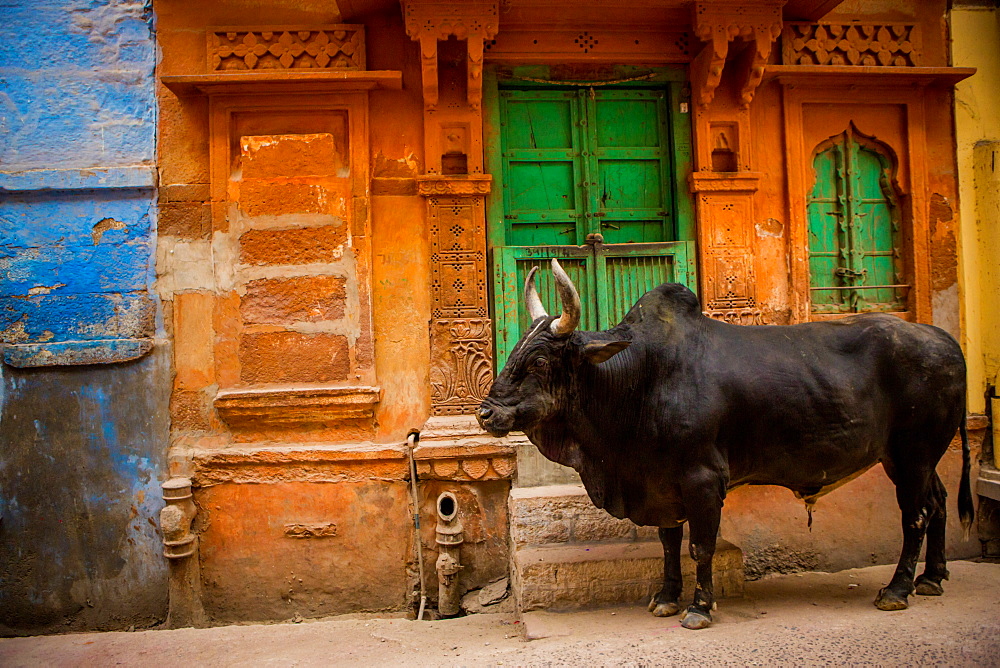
(976,43)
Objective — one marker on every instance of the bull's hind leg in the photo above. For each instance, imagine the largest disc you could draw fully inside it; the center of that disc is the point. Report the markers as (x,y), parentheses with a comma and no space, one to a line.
(935,570)
(913,493)
(665,602)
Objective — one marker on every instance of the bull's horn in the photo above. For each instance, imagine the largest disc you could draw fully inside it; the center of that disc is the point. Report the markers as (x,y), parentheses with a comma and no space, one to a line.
(531,298)
(570,317)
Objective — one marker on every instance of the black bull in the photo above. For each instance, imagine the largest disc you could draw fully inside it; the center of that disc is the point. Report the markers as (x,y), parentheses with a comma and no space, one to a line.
(665,412)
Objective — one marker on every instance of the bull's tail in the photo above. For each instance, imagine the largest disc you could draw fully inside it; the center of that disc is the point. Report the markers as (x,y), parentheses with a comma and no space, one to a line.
(966,511)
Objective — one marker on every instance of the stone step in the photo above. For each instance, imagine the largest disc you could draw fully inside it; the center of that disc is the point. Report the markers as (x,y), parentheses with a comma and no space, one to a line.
(575,576)
(559,514)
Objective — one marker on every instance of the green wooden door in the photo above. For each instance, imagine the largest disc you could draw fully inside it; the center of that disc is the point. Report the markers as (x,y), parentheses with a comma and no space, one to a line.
(854,235)
(588,176)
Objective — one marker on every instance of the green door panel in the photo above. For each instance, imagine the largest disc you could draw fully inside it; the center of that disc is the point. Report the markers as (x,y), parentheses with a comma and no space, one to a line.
(578,162)
(825,213)
(610,279)
(626,272)
(631,156)
(854,230)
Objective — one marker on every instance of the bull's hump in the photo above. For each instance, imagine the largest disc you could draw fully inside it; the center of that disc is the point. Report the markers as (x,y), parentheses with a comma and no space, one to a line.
(667,302)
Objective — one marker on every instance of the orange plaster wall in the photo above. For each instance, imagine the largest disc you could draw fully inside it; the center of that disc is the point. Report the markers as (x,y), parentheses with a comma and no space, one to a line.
(265,328)
(253,570)
(399,246)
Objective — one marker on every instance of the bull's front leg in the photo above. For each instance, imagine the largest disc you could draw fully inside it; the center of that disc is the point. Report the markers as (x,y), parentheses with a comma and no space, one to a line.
(704,492)
(666,601)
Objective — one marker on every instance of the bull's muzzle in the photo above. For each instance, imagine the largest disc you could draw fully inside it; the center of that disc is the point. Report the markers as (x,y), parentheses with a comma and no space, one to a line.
(491,420)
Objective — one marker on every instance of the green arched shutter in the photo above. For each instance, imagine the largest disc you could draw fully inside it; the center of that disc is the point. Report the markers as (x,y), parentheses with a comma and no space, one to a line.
(854,230)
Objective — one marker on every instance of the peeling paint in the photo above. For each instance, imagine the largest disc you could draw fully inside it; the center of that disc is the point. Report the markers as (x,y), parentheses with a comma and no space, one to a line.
(772,227)
(44,289)
(102,226)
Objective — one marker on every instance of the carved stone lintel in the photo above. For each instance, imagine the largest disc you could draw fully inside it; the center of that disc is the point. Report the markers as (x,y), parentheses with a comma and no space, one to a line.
(474,185)
(738,316)
(724,182)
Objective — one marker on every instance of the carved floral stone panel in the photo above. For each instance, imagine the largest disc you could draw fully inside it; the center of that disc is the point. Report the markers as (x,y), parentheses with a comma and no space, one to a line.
(461,365)
(328,47)
(883,45)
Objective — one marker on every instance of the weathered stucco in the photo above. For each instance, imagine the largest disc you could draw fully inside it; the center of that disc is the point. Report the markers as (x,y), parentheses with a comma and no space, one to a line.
(319,252)
(83,430)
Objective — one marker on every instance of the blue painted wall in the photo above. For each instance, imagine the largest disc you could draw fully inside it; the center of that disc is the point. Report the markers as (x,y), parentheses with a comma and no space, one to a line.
(84,381)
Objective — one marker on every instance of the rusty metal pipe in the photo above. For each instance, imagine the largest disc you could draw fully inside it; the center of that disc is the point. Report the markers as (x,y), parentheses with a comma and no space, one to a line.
(449,540)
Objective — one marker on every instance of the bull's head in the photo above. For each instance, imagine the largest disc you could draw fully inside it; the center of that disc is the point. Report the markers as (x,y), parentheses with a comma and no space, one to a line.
(533,384)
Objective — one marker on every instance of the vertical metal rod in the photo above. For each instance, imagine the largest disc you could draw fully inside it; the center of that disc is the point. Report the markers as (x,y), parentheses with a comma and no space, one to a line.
(411,441)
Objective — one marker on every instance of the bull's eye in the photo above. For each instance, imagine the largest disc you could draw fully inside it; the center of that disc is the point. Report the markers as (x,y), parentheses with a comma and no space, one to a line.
(540,363)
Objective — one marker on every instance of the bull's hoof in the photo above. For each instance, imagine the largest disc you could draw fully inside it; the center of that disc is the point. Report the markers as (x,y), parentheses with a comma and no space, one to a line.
(890,600)
(927,587)
(663,609)
(696,619)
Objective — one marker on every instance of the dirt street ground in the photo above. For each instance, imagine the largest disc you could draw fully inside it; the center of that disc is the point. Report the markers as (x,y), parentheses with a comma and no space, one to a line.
(810,619)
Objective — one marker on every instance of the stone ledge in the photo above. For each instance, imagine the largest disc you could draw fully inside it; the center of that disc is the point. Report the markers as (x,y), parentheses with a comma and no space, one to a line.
(574,577)
(79,178)
(72,353)
(301,463)
(456,448)
(988,484)
(250,408)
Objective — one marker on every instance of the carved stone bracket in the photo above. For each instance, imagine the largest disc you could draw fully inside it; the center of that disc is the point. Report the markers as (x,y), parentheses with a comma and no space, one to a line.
(428,21)
(719,22)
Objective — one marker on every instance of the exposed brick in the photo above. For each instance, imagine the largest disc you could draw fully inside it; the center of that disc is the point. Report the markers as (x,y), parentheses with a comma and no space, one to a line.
(288,300)
(279,156)
(187,220)
(299,246)
(189,411)
(184,192)
(286,357)
(394,187)
(193,340)
(275,198)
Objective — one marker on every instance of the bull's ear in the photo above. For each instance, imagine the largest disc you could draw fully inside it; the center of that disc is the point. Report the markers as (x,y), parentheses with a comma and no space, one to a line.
(599,351)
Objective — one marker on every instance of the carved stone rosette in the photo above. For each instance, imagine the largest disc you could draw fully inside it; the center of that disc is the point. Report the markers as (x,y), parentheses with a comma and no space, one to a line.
(872,45)
(340,47)
(461,331)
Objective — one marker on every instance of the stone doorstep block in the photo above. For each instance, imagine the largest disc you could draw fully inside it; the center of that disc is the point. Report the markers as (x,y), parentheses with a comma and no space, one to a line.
(564,514)
(576,576)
